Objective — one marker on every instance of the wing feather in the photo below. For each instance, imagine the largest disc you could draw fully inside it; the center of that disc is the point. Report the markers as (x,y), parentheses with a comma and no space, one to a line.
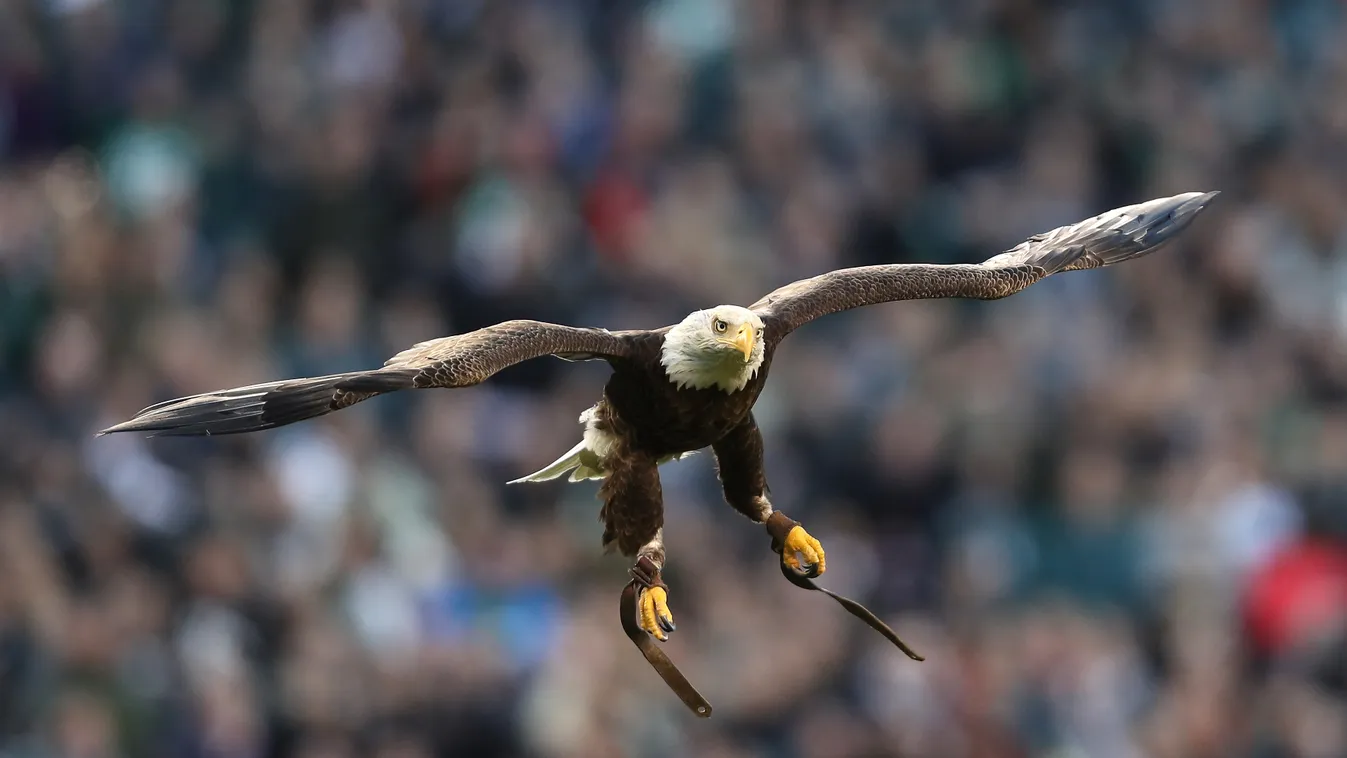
(459,361)
(467,359)
(1112,237)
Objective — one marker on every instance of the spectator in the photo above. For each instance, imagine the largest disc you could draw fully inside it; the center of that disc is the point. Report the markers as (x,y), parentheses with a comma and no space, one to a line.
(1094,506)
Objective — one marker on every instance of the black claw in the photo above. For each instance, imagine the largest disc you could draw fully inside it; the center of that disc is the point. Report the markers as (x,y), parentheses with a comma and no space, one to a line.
(666,624)
(808,570)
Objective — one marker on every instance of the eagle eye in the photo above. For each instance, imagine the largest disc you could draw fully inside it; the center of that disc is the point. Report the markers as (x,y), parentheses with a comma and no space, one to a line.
(720,326)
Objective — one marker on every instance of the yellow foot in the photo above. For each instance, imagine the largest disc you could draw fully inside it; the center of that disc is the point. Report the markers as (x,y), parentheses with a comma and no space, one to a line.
(803,553)
(655,618)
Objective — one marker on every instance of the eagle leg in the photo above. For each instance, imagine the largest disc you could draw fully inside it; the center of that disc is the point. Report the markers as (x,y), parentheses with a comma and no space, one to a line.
(653,615)
(798,549)
(739,462)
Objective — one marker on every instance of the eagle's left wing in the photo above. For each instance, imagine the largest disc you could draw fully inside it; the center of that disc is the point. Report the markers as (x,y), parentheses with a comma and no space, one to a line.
(1118,235)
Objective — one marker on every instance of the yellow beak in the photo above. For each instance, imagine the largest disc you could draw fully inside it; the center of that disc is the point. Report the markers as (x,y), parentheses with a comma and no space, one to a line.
(744,341)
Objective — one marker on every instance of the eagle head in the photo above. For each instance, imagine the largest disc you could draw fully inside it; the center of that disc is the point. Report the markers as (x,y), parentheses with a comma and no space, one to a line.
(717,347)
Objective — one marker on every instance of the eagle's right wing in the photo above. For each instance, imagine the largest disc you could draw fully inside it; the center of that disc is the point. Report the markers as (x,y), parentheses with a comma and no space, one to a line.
(1112,237)
(458,361)
(467,359)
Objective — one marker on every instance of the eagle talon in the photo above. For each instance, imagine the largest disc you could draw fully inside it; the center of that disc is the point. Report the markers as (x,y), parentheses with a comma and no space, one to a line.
(653,613)
(800,544)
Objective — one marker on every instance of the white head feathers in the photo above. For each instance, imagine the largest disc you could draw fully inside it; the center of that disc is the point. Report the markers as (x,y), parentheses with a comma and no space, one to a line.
(718,347)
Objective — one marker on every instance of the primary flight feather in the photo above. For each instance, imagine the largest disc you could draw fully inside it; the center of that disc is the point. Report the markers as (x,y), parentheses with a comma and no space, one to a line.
(681,388)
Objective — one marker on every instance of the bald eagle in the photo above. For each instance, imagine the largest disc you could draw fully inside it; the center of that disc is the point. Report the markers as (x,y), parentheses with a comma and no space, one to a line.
(681,388)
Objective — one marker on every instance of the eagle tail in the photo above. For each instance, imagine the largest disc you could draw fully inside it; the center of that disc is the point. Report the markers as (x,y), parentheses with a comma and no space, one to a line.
(1121,234)
(573,460)
(259,406)
(582,465)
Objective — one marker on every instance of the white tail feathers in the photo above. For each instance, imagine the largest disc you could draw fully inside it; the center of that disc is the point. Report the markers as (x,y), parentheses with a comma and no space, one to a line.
(578,459)
(582,464)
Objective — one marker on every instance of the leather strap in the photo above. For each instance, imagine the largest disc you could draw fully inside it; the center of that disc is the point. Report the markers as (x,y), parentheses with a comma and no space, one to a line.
(643,575)
(778,526)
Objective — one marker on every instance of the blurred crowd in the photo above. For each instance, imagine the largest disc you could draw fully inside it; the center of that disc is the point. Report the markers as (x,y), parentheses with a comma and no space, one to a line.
(1111,510)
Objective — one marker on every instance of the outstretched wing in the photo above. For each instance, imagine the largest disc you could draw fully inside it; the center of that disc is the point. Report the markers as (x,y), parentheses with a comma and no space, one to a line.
(467,359)
(1118,235)
(458,361)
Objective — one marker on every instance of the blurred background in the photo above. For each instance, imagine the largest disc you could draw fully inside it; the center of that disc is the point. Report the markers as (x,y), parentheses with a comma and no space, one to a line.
(1110,510)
